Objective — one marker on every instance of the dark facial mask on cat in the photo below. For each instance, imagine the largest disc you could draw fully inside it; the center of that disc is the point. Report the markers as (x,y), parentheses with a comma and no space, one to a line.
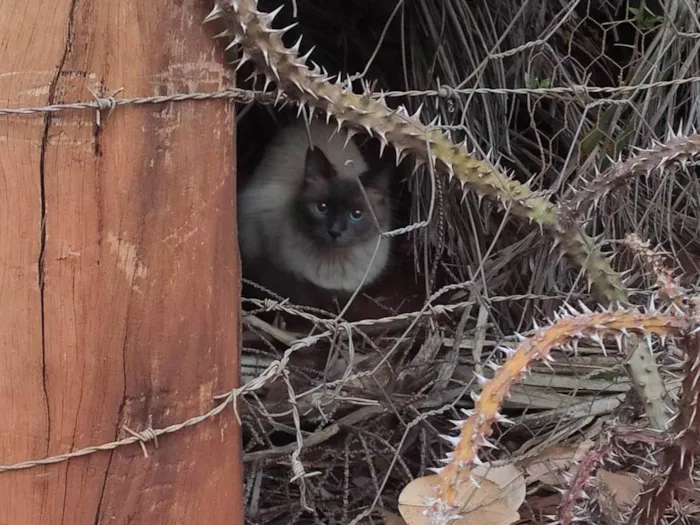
(332,209)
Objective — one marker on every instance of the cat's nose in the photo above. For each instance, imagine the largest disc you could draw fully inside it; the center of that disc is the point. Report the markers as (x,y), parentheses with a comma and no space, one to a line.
(334,233)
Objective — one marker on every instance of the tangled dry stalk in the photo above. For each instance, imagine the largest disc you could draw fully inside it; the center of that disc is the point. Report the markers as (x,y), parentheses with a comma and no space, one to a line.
(664,461)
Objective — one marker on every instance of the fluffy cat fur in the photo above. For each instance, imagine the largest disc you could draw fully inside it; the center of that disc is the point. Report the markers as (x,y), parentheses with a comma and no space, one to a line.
(298,216)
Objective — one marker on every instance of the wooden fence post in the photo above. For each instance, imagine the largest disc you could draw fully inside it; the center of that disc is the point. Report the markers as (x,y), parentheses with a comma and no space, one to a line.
(119,278)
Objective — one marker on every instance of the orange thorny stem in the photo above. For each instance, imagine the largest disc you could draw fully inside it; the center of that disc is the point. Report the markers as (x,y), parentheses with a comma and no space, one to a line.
(477,427)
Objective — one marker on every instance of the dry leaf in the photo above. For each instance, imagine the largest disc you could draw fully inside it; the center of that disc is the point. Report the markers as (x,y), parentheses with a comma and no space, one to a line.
(392,519)
(509,478)
(616,491)
(623,487)
(549,466)
(495,502)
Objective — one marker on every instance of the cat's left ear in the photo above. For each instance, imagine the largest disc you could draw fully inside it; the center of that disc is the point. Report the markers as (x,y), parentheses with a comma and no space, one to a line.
(317,166)
(378,179)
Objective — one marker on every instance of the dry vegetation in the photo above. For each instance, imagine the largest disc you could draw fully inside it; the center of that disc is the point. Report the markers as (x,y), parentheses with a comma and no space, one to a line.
(548,134)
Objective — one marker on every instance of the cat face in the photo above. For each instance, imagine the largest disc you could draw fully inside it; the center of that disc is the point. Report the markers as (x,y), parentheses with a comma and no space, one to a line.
(332,209)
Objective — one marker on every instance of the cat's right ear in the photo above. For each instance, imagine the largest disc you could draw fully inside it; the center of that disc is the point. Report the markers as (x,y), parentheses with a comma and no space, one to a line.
(379,179)
(317,165)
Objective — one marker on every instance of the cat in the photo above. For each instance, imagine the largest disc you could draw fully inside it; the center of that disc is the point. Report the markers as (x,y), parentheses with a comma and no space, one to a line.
(306,228)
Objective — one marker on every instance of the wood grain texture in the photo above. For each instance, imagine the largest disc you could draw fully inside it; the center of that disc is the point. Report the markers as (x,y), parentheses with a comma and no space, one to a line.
(119,278)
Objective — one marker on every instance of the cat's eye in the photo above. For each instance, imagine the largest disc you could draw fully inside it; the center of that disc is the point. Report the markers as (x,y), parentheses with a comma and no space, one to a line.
(356,215)
(321,207)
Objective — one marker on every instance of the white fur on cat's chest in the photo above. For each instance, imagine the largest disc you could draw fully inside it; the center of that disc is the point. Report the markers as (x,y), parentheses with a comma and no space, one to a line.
(344,273)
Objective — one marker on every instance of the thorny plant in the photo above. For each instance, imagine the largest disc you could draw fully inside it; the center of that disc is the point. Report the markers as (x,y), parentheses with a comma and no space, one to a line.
(570,326)
(672,475)
(312,89)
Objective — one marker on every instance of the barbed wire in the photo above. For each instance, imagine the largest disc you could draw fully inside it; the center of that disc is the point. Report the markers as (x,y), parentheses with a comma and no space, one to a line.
(101,103)
(275,368)
(446,91)
(246,96)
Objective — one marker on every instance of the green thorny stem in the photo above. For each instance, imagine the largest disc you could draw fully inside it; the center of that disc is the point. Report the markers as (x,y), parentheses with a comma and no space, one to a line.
(312,88)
